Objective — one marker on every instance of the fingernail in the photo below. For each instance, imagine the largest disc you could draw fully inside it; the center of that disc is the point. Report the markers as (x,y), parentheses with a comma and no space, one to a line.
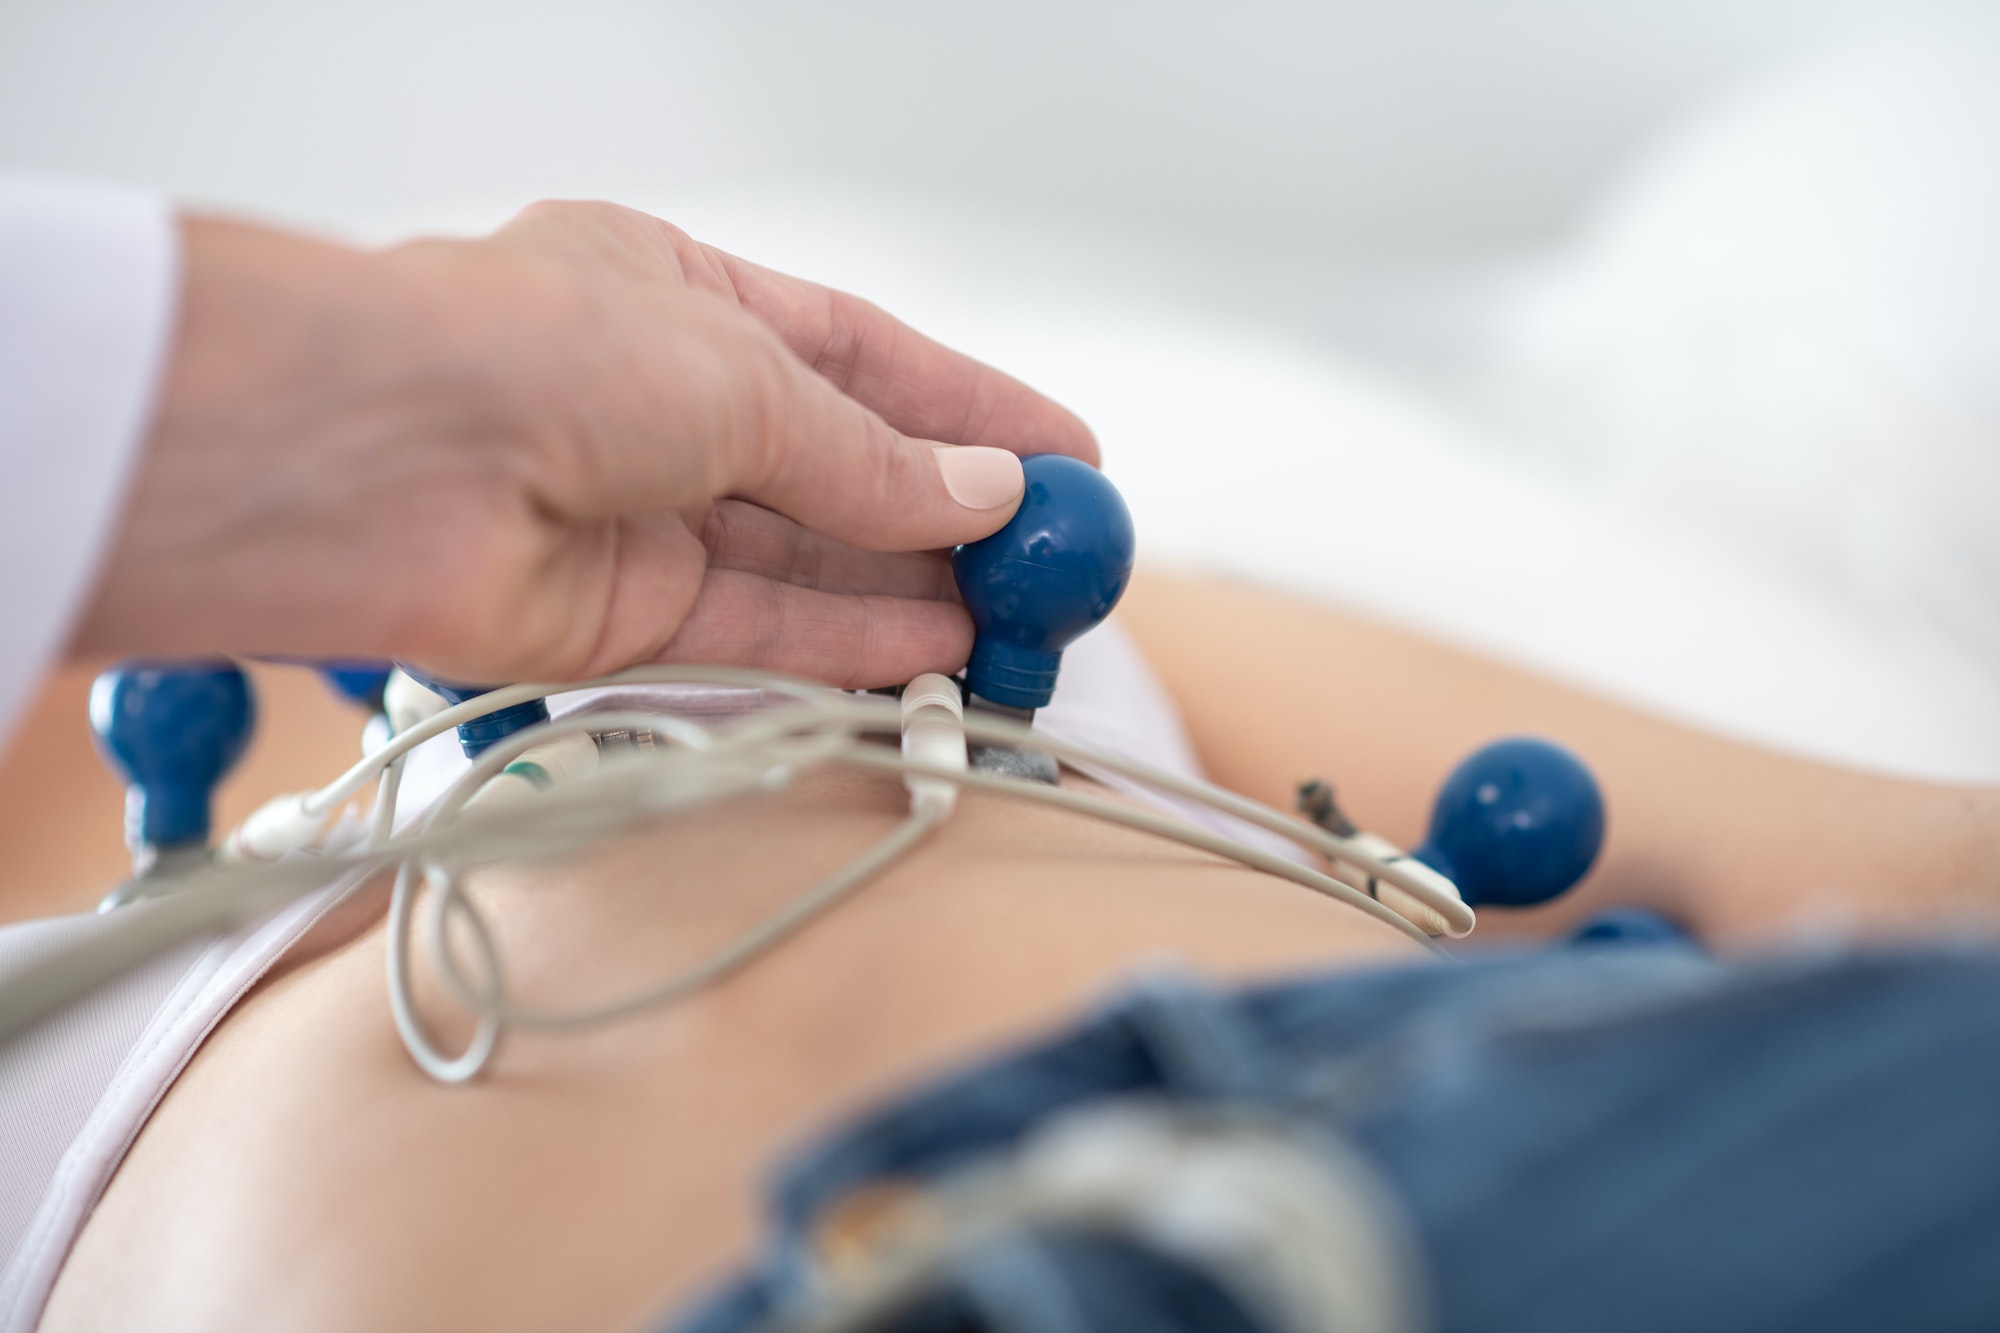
(978,477)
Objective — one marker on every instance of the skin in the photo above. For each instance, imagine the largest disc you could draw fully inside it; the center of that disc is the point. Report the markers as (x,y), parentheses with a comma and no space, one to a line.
(1748,847)
(302,1175)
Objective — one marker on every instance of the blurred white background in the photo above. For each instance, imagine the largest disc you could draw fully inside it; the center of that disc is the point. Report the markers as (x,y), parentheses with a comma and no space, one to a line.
(1296,144)
(1650,342)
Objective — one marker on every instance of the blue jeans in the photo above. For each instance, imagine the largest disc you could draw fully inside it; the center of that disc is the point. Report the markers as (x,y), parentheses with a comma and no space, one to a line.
(1629,1139)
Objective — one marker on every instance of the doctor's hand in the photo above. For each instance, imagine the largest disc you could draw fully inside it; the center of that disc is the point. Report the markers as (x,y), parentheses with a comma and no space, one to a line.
(581,443)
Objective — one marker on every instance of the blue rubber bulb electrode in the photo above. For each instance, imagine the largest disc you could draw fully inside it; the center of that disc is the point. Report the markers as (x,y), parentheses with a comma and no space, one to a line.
(482,734)
(357,681)
(1518,822)
(1632,926)
(1035,586)
(173,729)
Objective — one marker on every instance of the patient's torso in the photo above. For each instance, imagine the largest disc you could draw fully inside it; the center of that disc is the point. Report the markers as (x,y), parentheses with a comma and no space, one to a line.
(303,1173)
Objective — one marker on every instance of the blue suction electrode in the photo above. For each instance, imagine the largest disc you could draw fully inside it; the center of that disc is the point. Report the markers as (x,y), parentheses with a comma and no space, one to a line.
(172,729)
(1518,822)
(1632,926)
(481,734)
(1035,586)
(358,682)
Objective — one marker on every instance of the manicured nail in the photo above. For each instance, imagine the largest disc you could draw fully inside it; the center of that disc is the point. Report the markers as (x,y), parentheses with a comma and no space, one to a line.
(978,477)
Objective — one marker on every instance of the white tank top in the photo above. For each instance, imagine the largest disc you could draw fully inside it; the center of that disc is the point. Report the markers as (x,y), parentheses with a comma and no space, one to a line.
(75,1092)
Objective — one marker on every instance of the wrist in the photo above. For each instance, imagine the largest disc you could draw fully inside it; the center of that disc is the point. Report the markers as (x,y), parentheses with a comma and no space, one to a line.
(269,320)
(298,372)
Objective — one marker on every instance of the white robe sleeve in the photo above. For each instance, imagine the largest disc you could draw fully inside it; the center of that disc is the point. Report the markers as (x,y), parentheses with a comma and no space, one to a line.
(89,278)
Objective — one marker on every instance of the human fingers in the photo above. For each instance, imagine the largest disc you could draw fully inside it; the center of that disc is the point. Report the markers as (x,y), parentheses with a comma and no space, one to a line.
(554,600)
(917,385)
(852,641)
(754,540)
(711,405)
(626,591)
(655,396)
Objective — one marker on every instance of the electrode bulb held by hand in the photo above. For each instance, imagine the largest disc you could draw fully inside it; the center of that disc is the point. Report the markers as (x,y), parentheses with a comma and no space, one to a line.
(172,730)
(1032,588)
(1052,573)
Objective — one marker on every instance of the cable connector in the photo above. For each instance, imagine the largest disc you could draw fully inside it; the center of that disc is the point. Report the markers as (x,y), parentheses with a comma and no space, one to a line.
(555,761)
(278,827)
(406,703)
(1316,802)
(933,734)
(1399,901)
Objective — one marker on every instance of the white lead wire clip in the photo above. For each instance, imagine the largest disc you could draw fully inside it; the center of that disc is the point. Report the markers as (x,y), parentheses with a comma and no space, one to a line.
(1402,903)
(296,821)
(282,825)
(933,734)
(555,761)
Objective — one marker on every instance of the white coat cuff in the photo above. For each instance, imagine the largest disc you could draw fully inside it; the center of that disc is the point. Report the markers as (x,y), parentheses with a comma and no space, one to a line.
(89,278)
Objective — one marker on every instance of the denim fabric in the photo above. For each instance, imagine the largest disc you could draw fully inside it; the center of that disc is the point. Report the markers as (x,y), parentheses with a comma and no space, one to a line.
(1631,1139)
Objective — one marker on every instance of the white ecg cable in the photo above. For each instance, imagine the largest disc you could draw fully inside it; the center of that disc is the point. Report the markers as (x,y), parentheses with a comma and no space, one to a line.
(810,727)
(881,716)
(772,746)
(486,997)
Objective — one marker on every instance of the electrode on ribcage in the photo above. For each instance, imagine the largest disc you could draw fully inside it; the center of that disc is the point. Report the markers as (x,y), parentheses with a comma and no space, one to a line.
(171,730)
